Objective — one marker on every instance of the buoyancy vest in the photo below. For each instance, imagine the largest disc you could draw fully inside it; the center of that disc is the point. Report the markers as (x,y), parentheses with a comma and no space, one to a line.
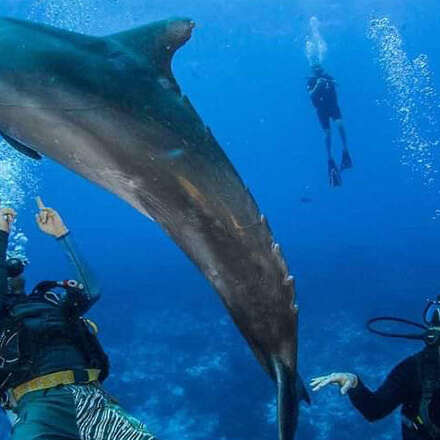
(38,321)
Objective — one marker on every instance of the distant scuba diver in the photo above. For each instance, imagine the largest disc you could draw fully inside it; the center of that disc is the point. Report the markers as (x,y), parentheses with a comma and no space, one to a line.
(414,383)
(322,91)
(51,362)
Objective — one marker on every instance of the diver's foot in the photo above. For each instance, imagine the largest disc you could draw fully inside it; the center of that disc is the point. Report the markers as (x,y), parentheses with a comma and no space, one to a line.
(333,174)
(346,161)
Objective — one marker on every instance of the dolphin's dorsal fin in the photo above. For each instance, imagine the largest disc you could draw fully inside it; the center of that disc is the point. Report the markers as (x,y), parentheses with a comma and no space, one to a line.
(157,41)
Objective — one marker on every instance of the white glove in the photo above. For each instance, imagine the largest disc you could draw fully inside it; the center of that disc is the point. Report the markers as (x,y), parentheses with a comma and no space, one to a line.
(344,380)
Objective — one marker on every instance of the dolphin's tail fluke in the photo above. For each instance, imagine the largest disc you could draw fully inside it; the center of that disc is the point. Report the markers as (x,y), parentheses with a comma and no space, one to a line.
(291,391)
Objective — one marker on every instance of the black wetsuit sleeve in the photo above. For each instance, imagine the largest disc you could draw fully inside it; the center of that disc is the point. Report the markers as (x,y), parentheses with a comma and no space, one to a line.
(86,297)
(3,271)
(393,392)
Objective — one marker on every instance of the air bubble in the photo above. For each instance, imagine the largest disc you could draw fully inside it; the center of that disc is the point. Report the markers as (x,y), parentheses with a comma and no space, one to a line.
(413,99)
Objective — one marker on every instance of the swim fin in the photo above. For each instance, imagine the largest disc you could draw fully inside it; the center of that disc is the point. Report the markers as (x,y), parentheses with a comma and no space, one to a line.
(333,174)
(346,161)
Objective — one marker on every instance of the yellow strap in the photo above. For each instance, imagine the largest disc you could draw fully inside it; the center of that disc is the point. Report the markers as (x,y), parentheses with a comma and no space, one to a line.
(50,381)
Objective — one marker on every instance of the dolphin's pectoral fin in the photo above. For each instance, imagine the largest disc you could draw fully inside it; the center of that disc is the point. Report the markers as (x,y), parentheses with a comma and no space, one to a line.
(290,390)
(157,42)
(21,148)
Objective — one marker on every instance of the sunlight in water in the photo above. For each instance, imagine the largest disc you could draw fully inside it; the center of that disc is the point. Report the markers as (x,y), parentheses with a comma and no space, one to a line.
(413,99)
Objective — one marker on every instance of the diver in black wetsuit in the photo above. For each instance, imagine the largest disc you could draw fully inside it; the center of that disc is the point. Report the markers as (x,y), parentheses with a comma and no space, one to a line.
(322,91)
(51,362)
(414,384)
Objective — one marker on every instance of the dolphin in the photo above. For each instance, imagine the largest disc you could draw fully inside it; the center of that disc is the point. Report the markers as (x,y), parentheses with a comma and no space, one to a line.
(110,109)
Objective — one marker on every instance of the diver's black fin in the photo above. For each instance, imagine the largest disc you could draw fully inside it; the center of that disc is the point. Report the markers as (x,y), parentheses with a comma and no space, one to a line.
(346,161)
(333,174)
(287,401)
(21,148)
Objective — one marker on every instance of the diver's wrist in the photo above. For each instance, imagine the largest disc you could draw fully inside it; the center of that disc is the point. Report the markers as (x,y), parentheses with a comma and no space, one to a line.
(355,381)
(63,233)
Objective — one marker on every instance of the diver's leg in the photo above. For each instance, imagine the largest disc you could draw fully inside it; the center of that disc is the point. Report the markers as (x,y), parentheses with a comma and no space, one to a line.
(46,415)
(101,418)
(342,133)
(328,142)
(333,172)
(346,161)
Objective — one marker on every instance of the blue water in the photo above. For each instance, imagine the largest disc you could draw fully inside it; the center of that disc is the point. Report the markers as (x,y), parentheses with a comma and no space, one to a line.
(367,248)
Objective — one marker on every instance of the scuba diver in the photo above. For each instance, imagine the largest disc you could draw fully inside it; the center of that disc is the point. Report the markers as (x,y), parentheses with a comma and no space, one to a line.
(413,384)
(322,91)
(51,362)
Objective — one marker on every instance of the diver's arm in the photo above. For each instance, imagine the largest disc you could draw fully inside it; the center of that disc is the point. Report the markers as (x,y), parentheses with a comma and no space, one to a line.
(51,223)
(83,272)
(392,393)
(313,91)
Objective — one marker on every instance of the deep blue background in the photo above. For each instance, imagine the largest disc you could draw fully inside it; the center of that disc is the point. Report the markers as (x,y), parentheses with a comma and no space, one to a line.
(370,247)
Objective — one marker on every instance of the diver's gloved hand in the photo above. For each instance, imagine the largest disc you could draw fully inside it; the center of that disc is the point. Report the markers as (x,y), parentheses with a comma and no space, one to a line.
(344,380)
(7,217)
(49,221)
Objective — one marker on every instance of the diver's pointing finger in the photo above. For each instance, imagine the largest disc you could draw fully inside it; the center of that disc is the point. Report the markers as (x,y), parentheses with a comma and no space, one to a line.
(39,202)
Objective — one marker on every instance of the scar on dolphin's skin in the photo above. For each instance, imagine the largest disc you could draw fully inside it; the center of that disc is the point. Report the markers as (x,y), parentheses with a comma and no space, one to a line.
(193,192)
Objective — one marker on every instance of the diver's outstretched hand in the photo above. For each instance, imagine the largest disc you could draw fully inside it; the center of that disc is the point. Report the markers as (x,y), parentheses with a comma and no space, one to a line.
(49,221)
(7,217)
(344,380)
